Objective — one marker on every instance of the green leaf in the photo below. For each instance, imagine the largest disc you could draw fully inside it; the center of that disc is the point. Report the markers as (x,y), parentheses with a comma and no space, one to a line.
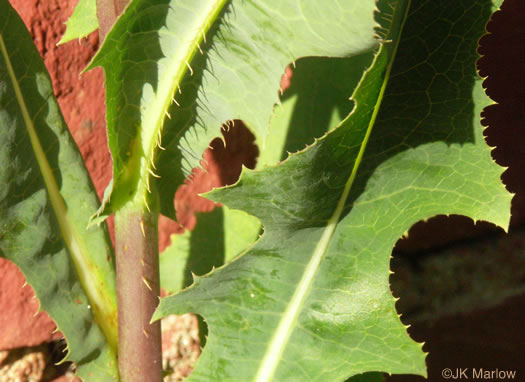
(311,300)
(46,197)
(314,104)
(246,45)
(218,237)
(82,22)
(316,101)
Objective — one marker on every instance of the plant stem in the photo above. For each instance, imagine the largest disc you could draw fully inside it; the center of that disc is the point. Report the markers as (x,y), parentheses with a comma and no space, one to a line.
(138,289)
(137,262)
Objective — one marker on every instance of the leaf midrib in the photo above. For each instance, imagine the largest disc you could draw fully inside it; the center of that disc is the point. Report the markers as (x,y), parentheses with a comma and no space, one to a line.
(73,241)
(280,339)
(169,84)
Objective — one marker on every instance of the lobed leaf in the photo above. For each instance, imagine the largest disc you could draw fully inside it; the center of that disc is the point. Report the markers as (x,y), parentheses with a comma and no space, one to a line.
(315,103)
(46,197)
(311,300)
(245,44)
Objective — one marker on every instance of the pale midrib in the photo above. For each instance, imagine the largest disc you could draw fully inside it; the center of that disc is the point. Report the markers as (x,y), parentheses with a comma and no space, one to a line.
(74,244)
(168,87)
(280,339)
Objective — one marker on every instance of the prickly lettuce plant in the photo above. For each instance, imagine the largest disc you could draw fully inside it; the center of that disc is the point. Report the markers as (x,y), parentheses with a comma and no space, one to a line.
(382,118)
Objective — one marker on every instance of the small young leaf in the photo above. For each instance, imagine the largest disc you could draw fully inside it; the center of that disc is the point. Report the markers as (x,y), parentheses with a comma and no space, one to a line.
(82,22)
(46,197)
